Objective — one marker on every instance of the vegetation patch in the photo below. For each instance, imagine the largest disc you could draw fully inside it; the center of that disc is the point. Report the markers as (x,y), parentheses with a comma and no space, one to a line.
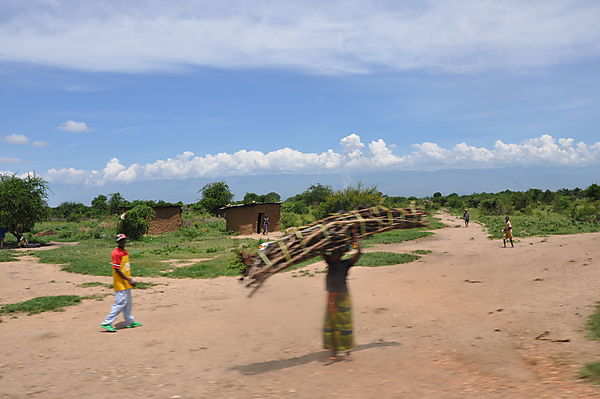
(42,304)
(385,259)
(591,372)
(8,255)
(421,251)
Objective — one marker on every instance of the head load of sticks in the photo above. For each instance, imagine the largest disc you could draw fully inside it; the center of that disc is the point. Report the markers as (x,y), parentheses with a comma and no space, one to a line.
(334,233)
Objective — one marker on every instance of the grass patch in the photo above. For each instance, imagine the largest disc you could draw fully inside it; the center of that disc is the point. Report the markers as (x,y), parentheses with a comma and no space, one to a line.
(593,324)
(591,372)
(421,251)
(92,257)
(385,259)
(7,255)
(401,235)
(94,284)
(541,223)
(42,304)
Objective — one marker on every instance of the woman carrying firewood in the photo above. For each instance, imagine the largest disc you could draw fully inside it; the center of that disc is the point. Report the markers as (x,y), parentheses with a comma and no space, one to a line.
(337,332)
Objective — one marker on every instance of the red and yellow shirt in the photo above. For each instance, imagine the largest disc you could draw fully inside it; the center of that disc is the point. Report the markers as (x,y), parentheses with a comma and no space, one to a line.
(120,261)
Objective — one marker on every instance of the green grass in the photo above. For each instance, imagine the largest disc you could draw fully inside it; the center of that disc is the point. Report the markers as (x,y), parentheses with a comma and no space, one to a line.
(92,257)
(7,255)
(42,304)
(385,259)
(591,372)
(540,223)
(401,235)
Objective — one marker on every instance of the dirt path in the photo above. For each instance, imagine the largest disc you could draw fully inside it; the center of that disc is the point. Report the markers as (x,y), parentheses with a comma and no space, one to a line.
(459,323)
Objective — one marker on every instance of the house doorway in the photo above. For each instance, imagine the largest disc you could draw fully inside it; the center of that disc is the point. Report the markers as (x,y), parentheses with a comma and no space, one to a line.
(259,223)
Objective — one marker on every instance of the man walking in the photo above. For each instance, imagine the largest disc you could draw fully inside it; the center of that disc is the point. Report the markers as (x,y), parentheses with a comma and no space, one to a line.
(122,284)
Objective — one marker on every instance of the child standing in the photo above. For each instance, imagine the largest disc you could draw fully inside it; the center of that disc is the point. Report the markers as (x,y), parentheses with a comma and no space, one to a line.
(122,284)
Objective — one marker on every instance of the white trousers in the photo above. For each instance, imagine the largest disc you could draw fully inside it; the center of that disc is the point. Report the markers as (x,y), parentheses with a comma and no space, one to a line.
(123,303)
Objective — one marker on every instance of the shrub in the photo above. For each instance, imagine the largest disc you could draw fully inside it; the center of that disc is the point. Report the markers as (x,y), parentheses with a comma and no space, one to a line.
(135,222)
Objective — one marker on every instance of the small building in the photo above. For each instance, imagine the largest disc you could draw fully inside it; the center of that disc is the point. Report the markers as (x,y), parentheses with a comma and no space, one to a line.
(248,218)
(167,219)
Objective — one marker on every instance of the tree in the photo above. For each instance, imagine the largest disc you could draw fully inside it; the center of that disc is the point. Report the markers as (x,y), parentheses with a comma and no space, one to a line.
(250,198)
(135,222)
(271,197)
(316,194)
(351,198)
(116,202)
(593,192)
(100,205)
(214,196)
(71,211)
(23,203)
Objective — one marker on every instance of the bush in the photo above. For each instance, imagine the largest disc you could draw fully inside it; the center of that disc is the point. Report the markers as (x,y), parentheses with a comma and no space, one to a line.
(135,222)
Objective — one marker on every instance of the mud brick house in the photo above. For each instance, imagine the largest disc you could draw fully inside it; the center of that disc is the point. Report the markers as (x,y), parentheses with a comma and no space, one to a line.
(248,218)
(167,219)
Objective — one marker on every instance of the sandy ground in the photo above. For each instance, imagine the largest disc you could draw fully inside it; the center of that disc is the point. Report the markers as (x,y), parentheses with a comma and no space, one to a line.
(460,322)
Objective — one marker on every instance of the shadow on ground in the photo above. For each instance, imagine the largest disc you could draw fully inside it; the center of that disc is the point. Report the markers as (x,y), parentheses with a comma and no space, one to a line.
(272,365)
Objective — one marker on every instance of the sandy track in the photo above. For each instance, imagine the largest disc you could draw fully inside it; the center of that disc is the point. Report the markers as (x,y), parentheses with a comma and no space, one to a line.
(422,330)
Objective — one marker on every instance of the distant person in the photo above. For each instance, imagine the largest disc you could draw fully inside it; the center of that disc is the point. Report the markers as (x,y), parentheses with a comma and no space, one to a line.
(466,217)
(3,231)
(122,284)
(22,242)
(337,331)
(266,225)
(507,232)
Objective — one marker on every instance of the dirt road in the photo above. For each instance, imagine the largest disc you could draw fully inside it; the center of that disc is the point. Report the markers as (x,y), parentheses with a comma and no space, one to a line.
(461,322)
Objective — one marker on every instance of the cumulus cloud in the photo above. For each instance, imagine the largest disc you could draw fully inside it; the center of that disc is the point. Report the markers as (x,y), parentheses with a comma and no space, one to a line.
(15,139)
(336,36)
(74,127)
(540,151)
(40,143)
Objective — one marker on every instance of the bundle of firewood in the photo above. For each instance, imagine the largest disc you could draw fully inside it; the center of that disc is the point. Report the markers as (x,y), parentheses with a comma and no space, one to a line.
(330,234)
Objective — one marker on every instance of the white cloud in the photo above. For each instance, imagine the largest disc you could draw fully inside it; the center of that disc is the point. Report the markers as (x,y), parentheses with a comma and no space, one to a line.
(540,151)
(16,139)
(39,143)
(9,160)
(336,36)
(74,127)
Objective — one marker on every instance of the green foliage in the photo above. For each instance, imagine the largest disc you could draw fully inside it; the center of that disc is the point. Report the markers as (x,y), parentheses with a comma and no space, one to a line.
(214,196)
(593,192)
(290,219)
(314,195)
(538,224)
(71,211)
(23,202)
(100,205)
(494,206)
(7,255)
(591,372)
(269,197)
(135,222)
(350,198)
(372,259)
(116,203)
(42,304)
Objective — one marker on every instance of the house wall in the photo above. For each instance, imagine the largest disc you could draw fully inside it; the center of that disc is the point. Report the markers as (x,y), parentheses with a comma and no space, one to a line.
(167,219)
(244,219)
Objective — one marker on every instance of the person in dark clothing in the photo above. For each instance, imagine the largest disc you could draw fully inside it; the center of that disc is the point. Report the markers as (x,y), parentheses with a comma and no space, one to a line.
(466,217)
(337,331)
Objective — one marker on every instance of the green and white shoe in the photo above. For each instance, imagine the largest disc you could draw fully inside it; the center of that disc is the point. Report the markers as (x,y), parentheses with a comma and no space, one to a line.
(134,324)
(108,327)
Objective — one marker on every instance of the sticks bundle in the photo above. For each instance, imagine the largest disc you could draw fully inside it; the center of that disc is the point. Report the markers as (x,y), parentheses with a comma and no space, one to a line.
(329,234)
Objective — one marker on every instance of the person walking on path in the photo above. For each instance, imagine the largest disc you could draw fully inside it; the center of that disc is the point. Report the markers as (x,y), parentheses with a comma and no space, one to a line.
(122,284)
(507,232)
(266,225)
(337,331)
(466,217)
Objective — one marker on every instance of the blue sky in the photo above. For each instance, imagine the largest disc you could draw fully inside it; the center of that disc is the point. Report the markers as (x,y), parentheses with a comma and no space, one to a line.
(150,99)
